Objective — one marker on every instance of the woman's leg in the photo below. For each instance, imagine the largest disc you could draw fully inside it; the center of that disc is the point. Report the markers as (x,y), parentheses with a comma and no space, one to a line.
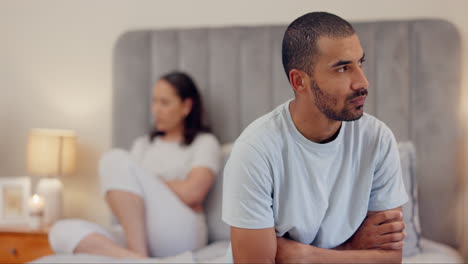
(124,196)
(79,236)
(130,211)
(99,244)
(170,226)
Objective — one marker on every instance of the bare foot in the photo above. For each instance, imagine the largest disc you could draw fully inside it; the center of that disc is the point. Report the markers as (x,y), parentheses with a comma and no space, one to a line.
(98,244)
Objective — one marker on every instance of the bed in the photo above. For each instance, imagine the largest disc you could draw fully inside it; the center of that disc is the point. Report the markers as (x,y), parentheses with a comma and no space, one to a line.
(414,72)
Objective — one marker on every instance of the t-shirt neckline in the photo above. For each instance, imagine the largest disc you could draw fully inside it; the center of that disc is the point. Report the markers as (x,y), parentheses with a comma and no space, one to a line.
(160,141)
(327,147)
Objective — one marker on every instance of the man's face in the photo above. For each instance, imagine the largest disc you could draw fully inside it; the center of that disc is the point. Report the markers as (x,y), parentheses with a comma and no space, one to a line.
(338,85)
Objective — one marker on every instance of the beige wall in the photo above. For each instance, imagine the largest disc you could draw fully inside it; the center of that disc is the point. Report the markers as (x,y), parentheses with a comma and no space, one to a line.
(56,58)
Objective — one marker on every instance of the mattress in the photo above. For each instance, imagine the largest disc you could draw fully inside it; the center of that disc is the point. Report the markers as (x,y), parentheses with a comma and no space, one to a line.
(432,252)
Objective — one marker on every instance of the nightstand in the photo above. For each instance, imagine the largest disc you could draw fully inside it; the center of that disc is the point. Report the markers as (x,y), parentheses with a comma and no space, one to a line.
(23,244)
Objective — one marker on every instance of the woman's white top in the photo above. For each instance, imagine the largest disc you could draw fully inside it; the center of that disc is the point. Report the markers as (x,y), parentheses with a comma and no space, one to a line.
(173,160)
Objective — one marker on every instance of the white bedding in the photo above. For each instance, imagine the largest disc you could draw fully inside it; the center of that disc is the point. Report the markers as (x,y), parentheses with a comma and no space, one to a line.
(213,253)
(433,252)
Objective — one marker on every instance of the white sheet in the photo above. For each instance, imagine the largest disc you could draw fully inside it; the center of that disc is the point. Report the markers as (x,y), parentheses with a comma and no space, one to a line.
(433,252)
(186,257)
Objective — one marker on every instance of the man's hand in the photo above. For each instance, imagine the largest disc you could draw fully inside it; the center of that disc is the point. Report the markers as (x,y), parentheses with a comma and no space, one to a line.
(380,230)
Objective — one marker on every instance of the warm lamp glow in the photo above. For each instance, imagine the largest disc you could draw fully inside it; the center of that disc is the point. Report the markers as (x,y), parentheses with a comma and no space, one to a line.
(36,204)
(51,152)
(36,198)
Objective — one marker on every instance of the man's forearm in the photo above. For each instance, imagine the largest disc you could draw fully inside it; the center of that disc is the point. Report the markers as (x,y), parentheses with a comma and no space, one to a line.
(291,251)
(320,255)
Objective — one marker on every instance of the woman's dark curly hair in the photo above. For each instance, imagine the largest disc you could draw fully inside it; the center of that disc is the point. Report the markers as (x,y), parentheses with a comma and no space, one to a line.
(186,88)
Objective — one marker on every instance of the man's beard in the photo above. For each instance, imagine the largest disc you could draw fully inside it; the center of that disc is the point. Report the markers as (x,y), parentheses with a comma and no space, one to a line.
(325,103)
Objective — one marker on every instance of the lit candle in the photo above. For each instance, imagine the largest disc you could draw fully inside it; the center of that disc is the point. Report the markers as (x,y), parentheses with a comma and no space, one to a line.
(36,210)
(36,204)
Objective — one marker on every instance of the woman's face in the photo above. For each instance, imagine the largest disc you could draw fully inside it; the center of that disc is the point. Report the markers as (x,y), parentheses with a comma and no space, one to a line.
(168,109)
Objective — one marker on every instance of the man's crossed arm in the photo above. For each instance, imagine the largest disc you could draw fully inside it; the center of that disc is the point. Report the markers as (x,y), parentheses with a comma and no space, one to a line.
(379,239)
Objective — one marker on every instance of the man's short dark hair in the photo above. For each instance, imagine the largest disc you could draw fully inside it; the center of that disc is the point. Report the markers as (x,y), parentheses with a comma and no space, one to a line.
(300,39)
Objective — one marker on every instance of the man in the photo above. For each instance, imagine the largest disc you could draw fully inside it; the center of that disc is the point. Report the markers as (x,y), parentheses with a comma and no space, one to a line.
(304,183)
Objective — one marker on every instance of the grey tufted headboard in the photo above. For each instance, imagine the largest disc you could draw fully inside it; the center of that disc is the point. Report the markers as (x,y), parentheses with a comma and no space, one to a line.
(413,68)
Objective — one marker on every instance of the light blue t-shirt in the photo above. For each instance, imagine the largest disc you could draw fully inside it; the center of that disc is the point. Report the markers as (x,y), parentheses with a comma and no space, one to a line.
(318,193)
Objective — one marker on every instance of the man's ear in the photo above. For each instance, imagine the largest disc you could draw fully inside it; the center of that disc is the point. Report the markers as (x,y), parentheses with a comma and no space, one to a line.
(297,80)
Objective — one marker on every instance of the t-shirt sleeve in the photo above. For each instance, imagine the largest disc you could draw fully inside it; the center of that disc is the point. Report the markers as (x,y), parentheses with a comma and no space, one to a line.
(207,153)
(139,146)
(247,189)
(388,190)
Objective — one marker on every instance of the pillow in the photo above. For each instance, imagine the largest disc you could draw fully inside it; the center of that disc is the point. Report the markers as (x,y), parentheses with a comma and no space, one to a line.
(217,229)
(410,209)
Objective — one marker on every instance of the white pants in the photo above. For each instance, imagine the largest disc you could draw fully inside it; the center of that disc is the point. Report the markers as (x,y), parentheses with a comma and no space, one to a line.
(171,226)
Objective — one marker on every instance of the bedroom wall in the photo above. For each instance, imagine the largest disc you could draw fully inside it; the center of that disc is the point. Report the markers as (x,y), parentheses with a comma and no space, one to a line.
(56,65)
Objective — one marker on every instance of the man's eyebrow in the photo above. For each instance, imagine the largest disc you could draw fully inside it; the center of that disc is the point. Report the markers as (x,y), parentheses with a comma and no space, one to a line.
(345,62)
(340,63)
(363,58)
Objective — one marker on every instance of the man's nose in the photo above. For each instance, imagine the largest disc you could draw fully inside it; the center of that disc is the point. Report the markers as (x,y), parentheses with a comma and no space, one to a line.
(360,81)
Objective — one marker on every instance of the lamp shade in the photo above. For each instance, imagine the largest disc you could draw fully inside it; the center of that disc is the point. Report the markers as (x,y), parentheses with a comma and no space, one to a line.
(51,152)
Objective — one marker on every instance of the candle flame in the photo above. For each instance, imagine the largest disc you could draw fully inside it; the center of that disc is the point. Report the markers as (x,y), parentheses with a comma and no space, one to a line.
(36,198)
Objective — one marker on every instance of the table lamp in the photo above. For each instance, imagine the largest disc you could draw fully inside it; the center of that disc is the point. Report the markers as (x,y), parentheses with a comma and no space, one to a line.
(51,154)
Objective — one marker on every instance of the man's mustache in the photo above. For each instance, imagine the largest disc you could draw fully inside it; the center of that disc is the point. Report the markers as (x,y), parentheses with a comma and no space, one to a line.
(360,92)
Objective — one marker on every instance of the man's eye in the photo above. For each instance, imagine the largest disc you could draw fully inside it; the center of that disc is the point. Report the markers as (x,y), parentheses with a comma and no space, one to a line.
(343,69)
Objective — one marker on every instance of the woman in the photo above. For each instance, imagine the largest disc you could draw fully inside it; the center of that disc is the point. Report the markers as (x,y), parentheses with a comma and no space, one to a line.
(157,190)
